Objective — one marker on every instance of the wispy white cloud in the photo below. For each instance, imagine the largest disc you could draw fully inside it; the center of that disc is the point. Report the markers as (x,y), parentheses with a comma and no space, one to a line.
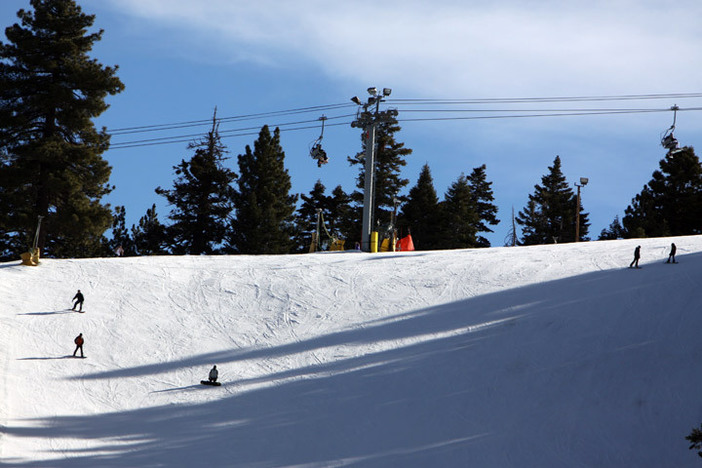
(455,48)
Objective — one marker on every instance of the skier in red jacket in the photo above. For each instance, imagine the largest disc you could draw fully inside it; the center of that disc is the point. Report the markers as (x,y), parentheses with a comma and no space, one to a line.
(79,345)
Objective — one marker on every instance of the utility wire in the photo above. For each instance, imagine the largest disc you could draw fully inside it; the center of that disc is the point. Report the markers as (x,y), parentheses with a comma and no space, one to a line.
(624,97)
(422,101)
(498,113)
(198,123)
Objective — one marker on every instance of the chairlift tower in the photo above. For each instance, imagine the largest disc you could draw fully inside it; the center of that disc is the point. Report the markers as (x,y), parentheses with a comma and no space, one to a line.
(368,119)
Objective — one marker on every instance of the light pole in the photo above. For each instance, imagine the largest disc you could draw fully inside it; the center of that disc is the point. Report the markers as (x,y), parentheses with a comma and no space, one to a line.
(368,120)
(583,183)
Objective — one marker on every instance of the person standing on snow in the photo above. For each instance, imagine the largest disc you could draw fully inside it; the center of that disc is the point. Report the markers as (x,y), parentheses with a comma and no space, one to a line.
(79,301)
(672,253)
(637,256)
(213,374)
(79,345)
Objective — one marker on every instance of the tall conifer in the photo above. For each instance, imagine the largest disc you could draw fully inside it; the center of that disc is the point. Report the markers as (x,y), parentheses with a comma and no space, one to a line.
(671,203)
(121,237)
(149,235)
(202,198)
(264,222)
(51,163)
(549,216)
(306,216)
(459,218)
(483,199)
(420,214)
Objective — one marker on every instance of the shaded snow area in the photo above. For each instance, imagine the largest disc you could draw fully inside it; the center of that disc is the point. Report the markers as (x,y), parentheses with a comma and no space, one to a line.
(545,356)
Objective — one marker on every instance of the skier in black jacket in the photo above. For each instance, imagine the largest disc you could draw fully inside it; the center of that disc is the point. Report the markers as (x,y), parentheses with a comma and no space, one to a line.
(637,255)
(672,254)
(79,301)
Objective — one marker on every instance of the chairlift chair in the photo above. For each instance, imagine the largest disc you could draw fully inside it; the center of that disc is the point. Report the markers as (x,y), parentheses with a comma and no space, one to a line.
(668,140)
(316,152)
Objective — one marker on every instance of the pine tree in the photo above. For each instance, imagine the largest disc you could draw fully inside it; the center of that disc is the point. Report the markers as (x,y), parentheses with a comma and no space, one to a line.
(549,216)
(483,198)
(341,218)
(671,203)
(306,217)
(202,198)
(121,237)
(389,159)
(695,439)
(264,222)
(459,218)
(334,213)
(51,163)
(613,231)
(420,214)
(149,235)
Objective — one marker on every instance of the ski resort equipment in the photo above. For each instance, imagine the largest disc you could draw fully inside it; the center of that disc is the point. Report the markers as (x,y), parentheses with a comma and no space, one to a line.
(31,258)
(405,244)
(668,140)
(316,152)
(332,244)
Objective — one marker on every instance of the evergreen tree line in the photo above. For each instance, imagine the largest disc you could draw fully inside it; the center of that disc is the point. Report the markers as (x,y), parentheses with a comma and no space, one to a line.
(215,210)
(51,166)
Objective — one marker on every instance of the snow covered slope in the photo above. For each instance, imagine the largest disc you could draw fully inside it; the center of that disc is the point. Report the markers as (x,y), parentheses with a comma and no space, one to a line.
(546,356)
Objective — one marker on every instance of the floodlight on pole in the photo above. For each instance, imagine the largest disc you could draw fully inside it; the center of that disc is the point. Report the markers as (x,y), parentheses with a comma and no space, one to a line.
(368,119)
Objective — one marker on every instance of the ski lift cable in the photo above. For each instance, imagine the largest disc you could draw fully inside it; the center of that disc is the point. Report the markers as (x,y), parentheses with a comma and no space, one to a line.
(194,123)
(421,101)
(243,132)
(625,97)
(228,132)
(551,114)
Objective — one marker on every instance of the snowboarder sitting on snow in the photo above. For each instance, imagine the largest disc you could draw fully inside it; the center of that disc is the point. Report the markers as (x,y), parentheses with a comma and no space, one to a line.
(79,301)
(79,345)
(213,374)
(672,254)
(637,255)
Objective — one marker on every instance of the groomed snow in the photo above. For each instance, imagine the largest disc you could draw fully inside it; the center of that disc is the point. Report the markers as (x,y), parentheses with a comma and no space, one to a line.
(546,356)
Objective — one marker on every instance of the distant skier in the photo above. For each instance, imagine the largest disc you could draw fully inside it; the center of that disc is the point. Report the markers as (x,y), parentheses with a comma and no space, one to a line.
(79,345)
(637,256)
(79,301)
(213,374)
(673,249)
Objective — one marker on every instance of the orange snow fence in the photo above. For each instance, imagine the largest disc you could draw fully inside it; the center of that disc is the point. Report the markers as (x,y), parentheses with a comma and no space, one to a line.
(405,244)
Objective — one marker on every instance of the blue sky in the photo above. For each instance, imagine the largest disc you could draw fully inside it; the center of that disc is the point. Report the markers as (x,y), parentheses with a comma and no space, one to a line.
(179,59)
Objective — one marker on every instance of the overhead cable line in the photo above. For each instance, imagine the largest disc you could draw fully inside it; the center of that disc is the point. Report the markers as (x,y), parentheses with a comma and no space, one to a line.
(248,131)
(197,123)
(228,134)
(624,97)
(421,101)
(551,114)
(496,113)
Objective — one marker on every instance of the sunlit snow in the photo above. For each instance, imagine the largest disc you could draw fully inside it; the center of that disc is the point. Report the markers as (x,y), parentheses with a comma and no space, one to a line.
(546,356)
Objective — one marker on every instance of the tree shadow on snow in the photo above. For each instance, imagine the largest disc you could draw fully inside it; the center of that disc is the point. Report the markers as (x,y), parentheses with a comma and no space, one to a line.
(430,401)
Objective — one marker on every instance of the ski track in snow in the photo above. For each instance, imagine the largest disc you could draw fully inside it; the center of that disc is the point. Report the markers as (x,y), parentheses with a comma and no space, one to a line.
(543,356)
